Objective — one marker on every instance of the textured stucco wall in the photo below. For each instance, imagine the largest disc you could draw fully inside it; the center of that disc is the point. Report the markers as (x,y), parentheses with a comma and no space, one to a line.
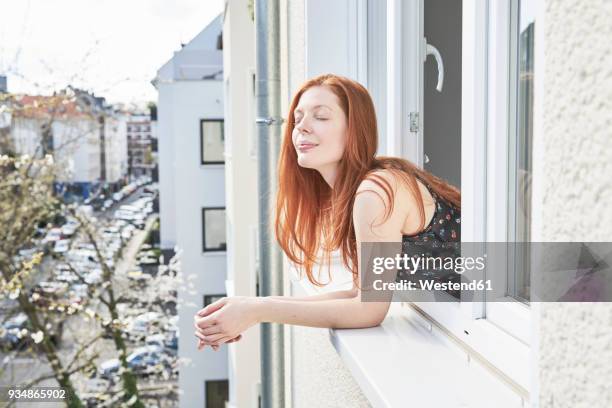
(573,189)
(320,378)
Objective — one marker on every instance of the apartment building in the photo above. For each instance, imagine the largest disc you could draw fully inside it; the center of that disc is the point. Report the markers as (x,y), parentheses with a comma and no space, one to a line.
(190,113)
(479,93)
(84,134)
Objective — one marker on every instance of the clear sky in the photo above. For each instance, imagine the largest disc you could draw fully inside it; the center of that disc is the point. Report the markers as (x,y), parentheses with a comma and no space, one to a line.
(111,47)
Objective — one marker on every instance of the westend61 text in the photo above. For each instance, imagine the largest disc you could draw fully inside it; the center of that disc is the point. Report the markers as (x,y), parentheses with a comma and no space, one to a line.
(431,285)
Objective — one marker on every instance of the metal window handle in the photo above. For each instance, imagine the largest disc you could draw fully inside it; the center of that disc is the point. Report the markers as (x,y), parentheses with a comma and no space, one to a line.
(431,50)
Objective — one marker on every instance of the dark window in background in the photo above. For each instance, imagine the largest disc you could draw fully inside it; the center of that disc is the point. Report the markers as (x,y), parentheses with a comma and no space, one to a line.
(208,299)
(217,393)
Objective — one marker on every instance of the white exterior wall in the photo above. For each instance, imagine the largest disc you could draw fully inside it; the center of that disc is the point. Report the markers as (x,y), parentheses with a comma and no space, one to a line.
(76,144)
(241,188)
(167,198)
(115,149)
(573,159)
(182,105)
(26,134)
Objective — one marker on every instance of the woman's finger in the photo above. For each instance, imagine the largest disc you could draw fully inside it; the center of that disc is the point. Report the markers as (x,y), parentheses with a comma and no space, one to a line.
(206,321)
(222,340)
(235,339)
(216,338)
(211,308)
(207,342)
(201,337)
(210,330)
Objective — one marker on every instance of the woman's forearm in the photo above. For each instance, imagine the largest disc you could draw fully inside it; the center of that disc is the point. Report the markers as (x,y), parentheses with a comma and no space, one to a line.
(337,294)
(343,313)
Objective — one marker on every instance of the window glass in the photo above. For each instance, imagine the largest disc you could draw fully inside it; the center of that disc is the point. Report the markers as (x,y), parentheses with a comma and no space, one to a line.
(520,145)
(212,140)
(213,224)
(217,393)
(208,299)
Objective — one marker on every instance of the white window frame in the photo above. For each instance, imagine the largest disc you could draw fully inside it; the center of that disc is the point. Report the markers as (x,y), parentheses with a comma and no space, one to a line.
(484,112)
(499,332)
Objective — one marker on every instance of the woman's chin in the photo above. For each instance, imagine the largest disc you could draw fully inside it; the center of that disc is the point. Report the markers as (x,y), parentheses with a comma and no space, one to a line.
(302,162)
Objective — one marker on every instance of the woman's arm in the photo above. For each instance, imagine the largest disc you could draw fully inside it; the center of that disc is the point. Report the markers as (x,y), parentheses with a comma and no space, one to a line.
(228,317)
(236,314)
(336,294)
(345,313)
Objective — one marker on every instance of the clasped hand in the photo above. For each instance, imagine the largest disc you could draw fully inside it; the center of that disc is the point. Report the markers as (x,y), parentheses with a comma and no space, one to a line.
(224,320)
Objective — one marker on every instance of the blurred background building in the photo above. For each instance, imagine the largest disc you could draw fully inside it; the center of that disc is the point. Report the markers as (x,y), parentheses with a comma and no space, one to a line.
(192,199)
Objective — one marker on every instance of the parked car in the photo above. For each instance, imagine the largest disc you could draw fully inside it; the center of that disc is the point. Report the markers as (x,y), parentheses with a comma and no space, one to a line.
(28,251)
(17,332)
(171,341)
(93,277)
(108,204)
(44,293)
(158,340)
(79,289)
(70,228)
(143,325)
(137,275)
(54,234)
(81,255)
(61,246)
(68,277)
(109,368)
(147,360)
(126,234)
(124,215)
(142,361)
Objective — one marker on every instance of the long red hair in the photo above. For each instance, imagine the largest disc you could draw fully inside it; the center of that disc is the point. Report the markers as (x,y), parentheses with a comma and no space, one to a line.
(310,215)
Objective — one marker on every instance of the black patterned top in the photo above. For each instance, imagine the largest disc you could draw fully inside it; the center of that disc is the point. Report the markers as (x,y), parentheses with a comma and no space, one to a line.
(445,225)
(440,238)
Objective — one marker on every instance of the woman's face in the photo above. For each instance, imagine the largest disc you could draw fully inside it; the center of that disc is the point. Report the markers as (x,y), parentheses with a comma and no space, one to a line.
(319,135)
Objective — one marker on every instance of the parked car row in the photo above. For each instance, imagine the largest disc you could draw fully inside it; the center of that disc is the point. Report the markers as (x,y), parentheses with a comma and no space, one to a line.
(16,332)
(130,188)
(157,335)
(136,212)
(143,361)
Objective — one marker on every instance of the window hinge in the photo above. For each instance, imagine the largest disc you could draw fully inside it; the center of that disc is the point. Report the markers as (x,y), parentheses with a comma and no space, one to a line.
(414,122)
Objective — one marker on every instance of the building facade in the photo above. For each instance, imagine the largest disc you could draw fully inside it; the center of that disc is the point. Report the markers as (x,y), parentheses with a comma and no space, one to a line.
(84,134)
(142,145)
(477,93)
(240,188)
(190,113)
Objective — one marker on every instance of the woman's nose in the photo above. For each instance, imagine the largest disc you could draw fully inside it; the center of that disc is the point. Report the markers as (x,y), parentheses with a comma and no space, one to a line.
(302,127)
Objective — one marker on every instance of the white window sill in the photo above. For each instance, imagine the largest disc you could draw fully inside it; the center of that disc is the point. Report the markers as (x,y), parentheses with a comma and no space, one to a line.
(407,361)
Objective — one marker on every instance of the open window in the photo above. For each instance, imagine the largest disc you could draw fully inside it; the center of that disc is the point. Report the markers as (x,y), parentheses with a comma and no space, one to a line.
(460,105)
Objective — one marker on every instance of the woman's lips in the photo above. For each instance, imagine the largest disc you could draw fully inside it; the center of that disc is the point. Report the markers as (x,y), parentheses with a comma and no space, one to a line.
(306,147)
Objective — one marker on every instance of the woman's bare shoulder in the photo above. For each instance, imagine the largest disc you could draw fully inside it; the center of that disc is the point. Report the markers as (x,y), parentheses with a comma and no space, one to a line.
(373,213)
(404,199)
(374,178)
